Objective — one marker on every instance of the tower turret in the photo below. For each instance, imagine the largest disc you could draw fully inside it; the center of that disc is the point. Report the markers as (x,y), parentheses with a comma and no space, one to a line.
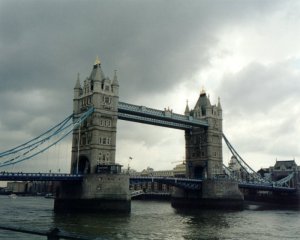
(204,145)
(115,84)
(77,93)
(94,151)
(97,76)
(98,133)
(187,110)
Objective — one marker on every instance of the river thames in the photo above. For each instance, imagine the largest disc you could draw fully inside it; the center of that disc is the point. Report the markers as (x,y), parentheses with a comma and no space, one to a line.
(150,220)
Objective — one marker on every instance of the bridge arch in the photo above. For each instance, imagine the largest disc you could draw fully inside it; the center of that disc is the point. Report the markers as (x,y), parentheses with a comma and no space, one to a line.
(84,166)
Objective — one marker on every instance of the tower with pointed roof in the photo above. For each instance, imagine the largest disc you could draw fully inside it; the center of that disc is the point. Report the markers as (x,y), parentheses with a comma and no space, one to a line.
(204,145)
(94,150)
(96,144)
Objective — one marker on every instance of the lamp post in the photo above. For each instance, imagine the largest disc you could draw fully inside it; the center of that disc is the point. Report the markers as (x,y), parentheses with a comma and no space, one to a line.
(130,158)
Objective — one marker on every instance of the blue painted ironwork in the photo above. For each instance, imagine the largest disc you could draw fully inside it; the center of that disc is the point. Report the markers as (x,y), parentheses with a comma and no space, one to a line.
(42,143)
(185,183)
(284,182)
(195,184)
(166,118)
(266,187)
(251,174)
(10,176)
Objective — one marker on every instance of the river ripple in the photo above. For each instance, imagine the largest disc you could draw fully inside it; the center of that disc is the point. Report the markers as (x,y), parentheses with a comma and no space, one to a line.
(150,220)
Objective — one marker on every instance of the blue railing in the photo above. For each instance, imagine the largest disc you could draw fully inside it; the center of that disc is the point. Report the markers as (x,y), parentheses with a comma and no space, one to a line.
(19,176)
(152,116)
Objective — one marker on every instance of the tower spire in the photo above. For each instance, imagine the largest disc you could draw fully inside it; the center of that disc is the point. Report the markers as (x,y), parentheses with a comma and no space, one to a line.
(77,85)
(97,74)
(97,61)
(219,103)
(202,90)
(115,79)
(187,110)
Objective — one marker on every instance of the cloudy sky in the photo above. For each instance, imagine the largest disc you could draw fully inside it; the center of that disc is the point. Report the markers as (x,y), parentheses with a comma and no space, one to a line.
(246,52)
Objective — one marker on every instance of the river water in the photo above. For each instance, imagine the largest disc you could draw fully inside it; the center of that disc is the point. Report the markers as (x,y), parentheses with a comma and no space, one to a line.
(150,220)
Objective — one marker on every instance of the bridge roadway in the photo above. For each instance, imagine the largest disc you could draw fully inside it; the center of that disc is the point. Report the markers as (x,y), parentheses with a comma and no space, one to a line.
(185,183)
(19,176)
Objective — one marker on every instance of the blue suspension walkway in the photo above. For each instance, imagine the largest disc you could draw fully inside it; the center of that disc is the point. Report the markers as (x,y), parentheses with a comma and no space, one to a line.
(9,176)
(185,183)
(156,117)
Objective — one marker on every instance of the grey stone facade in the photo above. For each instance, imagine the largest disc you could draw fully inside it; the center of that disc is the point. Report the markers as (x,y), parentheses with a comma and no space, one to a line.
(97,141)
(204,145)
(94,149)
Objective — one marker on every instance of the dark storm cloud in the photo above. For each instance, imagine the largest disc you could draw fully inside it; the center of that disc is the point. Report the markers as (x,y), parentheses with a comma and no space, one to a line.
(154,45)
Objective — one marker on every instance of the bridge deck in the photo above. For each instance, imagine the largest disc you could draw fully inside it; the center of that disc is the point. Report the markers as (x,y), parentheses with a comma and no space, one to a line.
(178,182)
(8,176)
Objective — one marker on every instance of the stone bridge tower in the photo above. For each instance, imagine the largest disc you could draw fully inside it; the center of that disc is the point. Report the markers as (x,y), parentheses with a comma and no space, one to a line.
(103,188)
(204,145)
(204,161)
(94,144)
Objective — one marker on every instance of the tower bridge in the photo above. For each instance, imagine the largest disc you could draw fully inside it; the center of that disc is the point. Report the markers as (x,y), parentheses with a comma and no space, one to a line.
(156,117)
(95,182)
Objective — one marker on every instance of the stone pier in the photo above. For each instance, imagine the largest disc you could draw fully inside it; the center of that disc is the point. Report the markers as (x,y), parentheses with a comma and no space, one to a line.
(96,193)
(215,194)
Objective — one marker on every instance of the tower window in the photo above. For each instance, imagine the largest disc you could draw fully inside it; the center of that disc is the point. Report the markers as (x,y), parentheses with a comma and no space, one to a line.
(107,156)
(107,100)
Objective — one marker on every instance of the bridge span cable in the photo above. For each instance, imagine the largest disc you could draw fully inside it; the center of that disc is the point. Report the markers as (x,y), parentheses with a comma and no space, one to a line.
(60,132)
(284,181)
(228,172)
(20,147)
(35,145)
(242,163)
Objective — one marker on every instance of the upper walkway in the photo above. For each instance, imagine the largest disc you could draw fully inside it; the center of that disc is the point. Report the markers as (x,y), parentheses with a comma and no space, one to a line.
(166,118)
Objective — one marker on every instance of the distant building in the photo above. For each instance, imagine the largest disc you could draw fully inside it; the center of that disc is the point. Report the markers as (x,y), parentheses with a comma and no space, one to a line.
(236,169)
(280,170)
(149,172)
(178,171)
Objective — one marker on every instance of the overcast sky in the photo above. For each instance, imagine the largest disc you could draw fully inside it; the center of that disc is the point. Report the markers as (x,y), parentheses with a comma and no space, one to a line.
(245,52)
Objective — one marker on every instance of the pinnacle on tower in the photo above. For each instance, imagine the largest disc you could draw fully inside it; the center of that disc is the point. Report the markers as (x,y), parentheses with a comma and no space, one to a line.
(187,110)
(97,74)
(97,61)
(202,91)
(77,85)
(219,103)
(115,79)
